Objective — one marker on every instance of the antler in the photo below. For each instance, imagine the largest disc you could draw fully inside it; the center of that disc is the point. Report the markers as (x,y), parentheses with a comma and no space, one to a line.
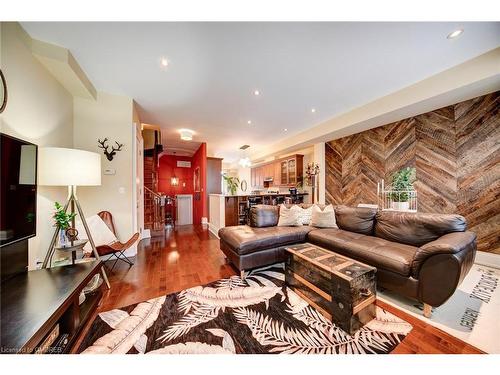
(109,154)
(102,144)
(120,145)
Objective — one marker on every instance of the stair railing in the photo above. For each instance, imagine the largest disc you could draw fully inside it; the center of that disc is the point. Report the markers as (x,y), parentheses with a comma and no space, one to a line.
(154,209)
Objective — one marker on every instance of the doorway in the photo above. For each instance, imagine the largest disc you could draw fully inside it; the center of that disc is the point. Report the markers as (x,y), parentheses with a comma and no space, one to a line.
(184,209)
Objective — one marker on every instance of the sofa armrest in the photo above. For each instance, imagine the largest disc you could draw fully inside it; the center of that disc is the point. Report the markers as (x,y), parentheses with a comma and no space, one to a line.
(443,264)
(451,243)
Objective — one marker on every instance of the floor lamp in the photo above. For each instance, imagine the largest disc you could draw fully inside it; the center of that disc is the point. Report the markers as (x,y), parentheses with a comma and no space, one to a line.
(70,167)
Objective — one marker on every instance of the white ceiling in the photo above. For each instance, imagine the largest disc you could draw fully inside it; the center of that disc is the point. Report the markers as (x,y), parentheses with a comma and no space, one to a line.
(215,67)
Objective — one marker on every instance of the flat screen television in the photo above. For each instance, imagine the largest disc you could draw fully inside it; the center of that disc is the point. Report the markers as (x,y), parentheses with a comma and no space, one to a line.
(18,191)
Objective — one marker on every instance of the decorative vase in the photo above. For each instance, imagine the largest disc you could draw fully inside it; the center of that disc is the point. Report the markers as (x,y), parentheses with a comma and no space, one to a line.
(63,239)
(72,234)
(313,188)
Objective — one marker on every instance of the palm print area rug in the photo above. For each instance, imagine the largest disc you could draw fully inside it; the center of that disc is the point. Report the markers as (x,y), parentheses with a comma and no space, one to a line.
(252,316)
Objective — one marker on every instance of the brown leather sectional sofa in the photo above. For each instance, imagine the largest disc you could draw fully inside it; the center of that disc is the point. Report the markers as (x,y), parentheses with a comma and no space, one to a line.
(421,256)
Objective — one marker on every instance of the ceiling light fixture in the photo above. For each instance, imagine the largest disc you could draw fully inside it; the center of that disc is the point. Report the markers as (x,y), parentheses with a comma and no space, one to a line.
(313,110)
(186,134)
(285,129)
(249,122)
(256,92)
(164,62)
(174,180)
(245,162)
(244,159)
(455,34)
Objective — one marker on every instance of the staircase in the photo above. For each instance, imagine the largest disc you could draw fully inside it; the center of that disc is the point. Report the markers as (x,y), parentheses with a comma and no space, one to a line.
(154,203)
(154,212)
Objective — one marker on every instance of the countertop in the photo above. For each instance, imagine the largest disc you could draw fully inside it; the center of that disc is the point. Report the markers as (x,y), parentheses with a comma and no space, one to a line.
(257,195)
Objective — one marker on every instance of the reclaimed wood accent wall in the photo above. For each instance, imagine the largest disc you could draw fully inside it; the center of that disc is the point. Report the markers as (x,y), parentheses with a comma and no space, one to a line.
(477,124)
(456,153)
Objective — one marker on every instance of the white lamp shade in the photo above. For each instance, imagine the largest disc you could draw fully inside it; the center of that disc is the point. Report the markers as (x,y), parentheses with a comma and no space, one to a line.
(67,166)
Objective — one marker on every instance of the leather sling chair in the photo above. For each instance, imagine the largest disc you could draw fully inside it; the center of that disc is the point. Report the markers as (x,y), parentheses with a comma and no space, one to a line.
(116,249)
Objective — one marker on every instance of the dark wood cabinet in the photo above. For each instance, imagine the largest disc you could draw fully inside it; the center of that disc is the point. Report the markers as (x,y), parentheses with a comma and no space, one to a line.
(231,214)
(35,302)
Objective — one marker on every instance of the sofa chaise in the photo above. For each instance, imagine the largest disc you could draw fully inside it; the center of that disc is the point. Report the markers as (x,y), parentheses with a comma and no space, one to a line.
(421,256)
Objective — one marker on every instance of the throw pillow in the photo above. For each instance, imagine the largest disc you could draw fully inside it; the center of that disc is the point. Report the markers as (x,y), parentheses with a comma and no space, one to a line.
(289,217)
(305,214)
(323,218)
(101,234)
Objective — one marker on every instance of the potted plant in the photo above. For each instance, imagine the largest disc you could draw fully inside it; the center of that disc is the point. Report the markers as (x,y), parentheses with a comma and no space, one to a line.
(62,220)
(232,183)
(402,184)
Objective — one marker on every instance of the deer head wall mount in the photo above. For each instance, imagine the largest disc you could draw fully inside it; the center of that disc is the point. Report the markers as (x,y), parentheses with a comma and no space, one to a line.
(109,154)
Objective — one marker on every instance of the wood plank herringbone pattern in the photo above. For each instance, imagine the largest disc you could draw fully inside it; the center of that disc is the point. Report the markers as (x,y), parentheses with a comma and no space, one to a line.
(372,163)
(352,185)
(435,161)
(333,172)
(400,144)
(456,153)
(478,173)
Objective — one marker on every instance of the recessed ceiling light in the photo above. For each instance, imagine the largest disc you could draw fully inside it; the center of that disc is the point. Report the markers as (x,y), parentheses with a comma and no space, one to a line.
(285,129)
(256,92)
(455,34)
(164,62)
(249,122)
(186,134)
(313,110)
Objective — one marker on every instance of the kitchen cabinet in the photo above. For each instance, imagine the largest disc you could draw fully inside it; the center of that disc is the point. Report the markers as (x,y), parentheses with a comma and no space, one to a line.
(291,170)
(283,172)
(231,213)
(276,174)
(260,177)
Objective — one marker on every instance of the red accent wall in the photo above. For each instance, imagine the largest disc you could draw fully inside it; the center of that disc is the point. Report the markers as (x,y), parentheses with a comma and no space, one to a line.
(168,168)
(200,208)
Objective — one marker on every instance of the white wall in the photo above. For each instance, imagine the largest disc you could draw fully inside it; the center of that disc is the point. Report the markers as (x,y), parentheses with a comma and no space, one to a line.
(110,116)
(38,110)
(139,171)
(244,174)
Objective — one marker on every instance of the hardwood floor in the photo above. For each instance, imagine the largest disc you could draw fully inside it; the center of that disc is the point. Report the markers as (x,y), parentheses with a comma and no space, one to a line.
(186,257)
(190,256)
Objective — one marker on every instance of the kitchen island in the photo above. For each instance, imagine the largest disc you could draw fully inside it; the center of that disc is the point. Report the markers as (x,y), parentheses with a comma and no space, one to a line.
(230,210)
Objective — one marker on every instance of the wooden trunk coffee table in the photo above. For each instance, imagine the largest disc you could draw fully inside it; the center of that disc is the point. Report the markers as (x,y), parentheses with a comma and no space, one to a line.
(342,289)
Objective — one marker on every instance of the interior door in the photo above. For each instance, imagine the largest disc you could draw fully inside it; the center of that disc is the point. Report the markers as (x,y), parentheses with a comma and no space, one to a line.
(184,209)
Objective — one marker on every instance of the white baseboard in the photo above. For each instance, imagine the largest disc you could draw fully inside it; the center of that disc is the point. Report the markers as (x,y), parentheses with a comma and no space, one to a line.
(488,259)
(212,228)
(146,233)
